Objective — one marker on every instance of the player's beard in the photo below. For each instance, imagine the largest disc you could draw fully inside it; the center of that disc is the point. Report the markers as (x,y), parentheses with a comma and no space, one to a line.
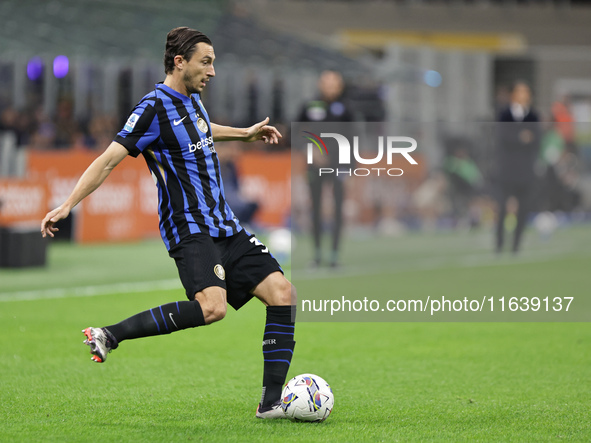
(190,84)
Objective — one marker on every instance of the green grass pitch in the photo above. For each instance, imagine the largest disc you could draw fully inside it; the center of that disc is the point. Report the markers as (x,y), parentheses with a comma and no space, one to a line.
(392,381)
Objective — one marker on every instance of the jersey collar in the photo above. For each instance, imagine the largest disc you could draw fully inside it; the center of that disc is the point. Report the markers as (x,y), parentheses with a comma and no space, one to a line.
(177,94)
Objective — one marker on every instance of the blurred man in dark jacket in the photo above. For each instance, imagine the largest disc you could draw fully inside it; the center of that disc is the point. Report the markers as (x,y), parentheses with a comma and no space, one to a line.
(517,149)
(329,106)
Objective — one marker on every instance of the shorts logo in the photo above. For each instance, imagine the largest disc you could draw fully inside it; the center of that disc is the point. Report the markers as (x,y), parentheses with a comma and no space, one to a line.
(202,125)
(131,121)
(219,271)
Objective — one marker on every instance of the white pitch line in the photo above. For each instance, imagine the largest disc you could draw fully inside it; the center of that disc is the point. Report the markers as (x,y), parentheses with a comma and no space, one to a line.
(91,291)
(433,263)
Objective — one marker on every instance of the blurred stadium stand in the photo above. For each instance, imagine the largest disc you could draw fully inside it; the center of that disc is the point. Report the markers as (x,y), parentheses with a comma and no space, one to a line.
(115,56)
(270,53)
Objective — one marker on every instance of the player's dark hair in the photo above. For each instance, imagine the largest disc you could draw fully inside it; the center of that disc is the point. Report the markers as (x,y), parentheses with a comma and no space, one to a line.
(181,41)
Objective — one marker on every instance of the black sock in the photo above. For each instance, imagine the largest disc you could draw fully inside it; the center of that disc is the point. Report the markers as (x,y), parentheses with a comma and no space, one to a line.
(278,347)
(163,319)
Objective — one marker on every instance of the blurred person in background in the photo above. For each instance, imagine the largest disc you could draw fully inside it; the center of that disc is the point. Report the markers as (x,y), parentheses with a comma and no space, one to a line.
(561,167)
(243,209)
(18,123)
(431,199)
(100,130)
(465,180)
(66,126)
(518,145)
(329,106)
(564,122)
(9,121)
(44,132)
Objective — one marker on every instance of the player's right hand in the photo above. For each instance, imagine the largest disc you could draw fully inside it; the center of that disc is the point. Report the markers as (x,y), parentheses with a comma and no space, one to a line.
(52,217)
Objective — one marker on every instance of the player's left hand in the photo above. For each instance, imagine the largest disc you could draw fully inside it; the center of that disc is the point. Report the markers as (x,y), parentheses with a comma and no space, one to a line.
(262,131)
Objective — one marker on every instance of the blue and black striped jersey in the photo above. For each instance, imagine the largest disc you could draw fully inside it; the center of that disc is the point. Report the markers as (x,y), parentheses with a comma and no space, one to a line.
(173,133)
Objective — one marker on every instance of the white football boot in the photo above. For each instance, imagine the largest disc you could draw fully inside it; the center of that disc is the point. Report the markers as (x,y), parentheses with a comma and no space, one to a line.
(273,411)
(99,343)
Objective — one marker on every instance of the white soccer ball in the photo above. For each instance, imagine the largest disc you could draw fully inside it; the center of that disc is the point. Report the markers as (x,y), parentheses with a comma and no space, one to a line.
(307,397)
(280,240)
(546,223)
(279,243)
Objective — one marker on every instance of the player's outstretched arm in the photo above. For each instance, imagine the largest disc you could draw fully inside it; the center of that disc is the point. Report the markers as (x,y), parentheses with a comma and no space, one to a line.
(92,178)
(259,131)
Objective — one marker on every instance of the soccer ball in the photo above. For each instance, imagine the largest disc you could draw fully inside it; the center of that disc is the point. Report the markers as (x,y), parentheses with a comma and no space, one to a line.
(280,244)
(307,397)
(546,223)
(280,240)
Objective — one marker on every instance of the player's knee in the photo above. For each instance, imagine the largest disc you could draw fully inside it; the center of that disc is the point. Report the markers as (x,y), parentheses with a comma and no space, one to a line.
(213,304)
(285,293)
(213,311)
(293,295)
(218,312)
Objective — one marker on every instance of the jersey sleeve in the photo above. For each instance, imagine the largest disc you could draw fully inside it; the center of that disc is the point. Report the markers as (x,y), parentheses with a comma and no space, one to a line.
(140,130)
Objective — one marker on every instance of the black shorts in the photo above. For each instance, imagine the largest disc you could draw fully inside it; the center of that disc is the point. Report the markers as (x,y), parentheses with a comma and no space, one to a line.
(237,263)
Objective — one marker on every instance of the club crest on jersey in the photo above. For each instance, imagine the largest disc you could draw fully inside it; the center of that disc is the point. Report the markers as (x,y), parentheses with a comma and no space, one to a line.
(131,121)
(219,271)
(202,125)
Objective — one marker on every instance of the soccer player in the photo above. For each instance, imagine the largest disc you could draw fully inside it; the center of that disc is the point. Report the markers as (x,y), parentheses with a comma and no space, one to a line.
(218,261)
